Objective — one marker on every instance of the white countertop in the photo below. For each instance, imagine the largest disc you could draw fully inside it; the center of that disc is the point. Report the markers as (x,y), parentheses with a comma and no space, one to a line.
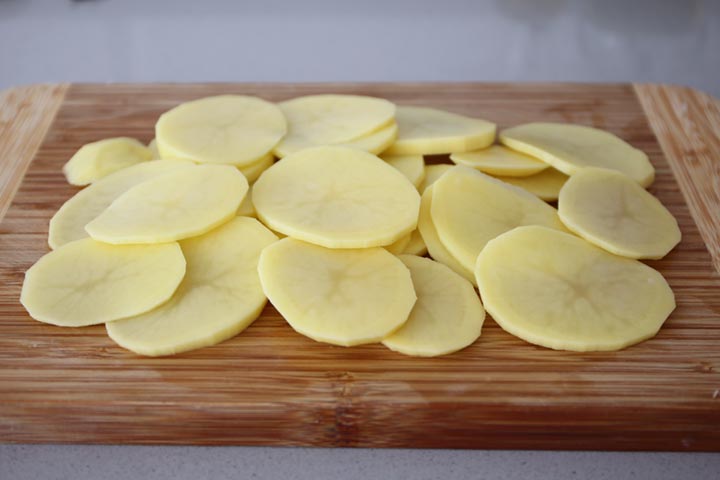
(373,40)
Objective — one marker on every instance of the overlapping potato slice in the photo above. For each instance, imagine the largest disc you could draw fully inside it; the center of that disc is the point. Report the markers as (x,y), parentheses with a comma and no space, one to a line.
(68,223)
(337,197)
(98,159)
(152,146)
(247,208)
(253,171)
(416,245)
(569,148)
(229,129)
(399,245)
(500,161)
(447,316)
(375,142)
(545,185)
(87,282)
(219,297)
(428,131)
(470,208)
(610,210)
(340,296)
(435,247)
(432,173)
(412,166)
(556,290)
(174,206)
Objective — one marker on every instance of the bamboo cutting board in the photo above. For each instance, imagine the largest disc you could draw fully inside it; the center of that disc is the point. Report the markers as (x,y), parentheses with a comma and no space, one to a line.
(271,386)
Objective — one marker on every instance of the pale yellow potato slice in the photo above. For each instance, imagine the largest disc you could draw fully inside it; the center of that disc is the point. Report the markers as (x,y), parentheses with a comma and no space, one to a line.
(316,120)
(412,166)
(339,296)
(375,142)
(98,159)
(470,208)
(152,146)
(399,246)
(432,173)
(610,210)
(246,208)
(68,223)
(501,161)
(87,282)
(228,129)
(428,131)
(219,297)
(253,171)
(556,290)
(337,197)
(416,245)
(435,247)
(545,185)
(181,204)
(447,316)
(569,148)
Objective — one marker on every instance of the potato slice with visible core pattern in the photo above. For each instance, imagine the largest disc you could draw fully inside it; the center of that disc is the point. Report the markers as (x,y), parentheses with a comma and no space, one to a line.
(608,209)
(178,205)
(337,197)
(98,159)
(219,297)
(556,290)
(447,316)
(569,148)
(87,282)
(500,161)
(339,296)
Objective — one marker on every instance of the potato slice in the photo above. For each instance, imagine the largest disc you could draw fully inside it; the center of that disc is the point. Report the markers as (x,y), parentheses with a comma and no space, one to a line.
(470,208)
(228,129)
(152,146)
(68,223)
(447,316)
(416,246)
(500,161)
(253,171)
(610,210)
(316,120)
(246,208)
(340,296)
(412,166)
(435,247)
(219,297)
(545,185)
(337,197)
(398,246)
(98,159)
(375,142)
(432,173)
(556,290)
(569,148)
(180,204)
(87,282)
(428,131)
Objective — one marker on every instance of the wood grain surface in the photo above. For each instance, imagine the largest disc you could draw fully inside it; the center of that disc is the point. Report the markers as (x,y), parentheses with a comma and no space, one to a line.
(271,386)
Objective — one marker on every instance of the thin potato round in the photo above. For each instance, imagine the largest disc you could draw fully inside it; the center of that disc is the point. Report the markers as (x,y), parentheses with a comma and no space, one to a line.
(375,142)
(432,173)
(545,185)
(219,297)
(253,171)
(412,166)
(178,205)
(416,245)
(98,159)
(610,210)
(569,148)
(556,290)
(152,146)
(228,129)
(337,197)
(339,296)
(470,208)
(247,208)
(500,161)
(87,282)
(399,246)
(447,316)
(68,223)
(428,131)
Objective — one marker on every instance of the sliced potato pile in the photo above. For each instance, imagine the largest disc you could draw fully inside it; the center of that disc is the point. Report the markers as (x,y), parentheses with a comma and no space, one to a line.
(556,290)
(348,271)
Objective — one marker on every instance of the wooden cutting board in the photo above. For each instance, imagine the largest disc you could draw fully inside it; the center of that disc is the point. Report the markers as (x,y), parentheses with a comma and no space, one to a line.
(271,386)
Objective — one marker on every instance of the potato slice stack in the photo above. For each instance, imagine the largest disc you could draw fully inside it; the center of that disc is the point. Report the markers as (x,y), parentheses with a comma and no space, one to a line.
(163,249)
